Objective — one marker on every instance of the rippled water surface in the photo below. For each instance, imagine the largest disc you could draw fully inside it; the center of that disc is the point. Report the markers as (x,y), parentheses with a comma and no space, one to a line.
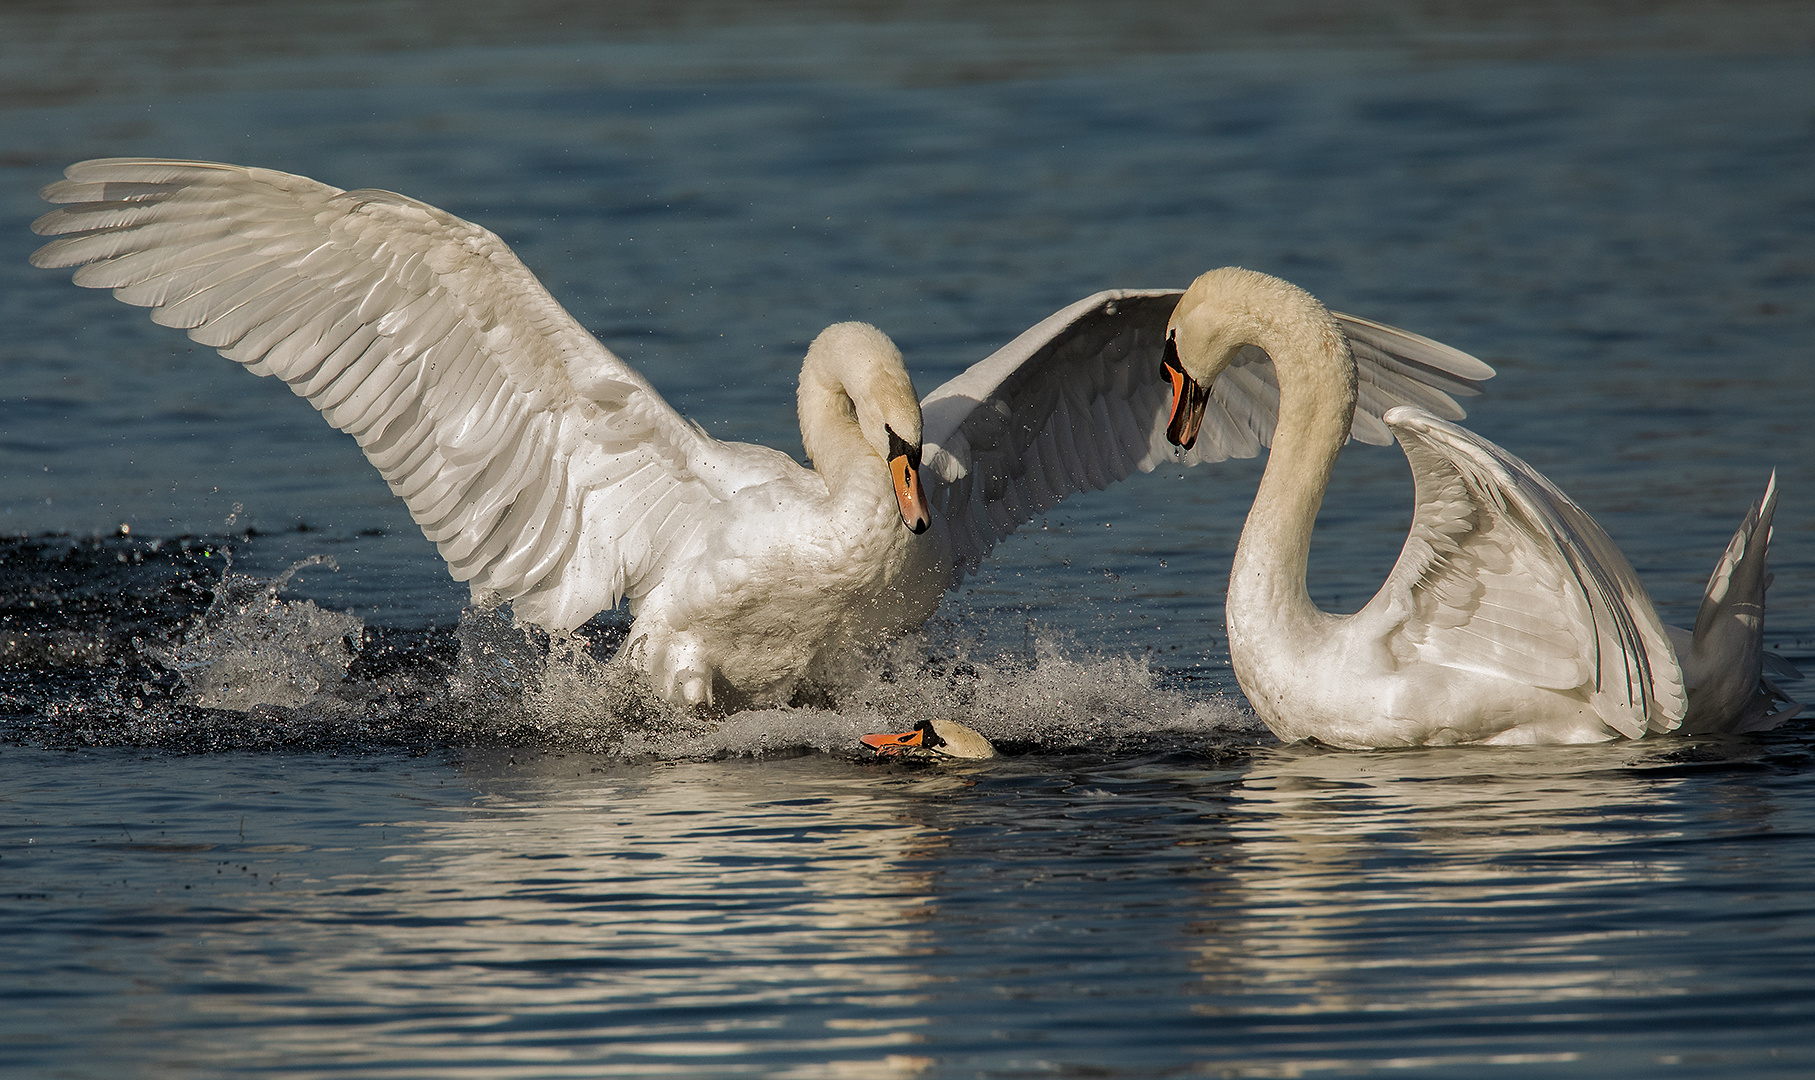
(271,805)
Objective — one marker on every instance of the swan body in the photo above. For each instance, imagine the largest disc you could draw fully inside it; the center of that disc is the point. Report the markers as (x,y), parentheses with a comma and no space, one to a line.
(552,476)
(797,566)
(1509,617)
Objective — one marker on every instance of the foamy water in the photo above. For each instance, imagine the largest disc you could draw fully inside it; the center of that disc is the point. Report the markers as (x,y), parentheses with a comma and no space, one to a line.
(302,674)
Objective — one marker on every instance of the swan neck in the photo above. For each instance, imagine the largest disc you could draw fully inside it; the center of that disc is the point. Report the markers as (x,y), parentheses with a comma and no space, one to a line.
(832,437)
(1316,406)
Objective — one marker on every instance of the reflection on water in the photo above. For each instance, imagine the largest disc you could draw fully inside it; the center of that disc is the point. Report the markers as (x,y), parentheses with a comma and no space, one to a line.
(1325,844)
(1439,893)
(1273,912)
(562,911)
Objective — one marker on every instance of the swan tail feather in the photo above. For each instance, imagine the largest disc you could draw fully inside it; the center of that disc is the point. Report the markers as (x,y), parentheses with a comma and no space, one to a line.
(1727,663)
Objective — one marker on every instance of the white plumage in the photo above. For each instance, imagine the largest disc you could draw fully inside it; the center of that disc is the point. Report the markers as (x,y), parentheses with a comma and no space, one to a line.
(1079,401)
(1510,616)
(552,476)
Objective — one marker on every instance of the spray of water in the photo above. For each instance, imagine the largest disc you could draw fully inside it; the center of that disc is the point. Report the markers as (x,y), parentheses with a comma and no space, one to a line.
(253,649)
(258,669)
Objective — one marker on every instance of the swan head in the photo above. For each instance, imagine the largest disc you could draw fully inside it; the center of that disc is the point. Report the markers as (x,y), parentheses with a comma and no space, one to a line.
(934,738)
(1223,312)
(854,370)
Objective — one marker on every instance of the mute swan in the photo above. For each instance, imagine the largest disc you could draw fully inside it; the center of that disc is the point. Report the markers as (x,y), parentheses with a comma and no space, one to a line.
(934,738)
(551,475)
(1510,616)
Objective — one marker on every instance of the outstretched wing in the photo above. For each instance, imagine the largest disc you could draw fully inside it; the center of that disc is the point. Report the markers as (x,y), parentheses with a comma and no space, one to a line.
(546,470)
(1502,573)
(1078,402)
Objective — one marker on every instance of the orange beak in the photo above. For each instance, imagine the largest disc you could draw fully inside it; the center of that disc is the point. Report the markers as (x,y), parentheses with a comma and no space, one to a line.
(894,744)
(1188,399)
(909,495)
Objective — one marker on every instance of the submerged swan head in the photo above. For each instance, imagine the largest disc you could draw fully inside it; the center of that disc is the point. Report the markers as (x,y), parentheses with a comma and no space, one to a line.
(1220,314)
(934,738)
(854,372)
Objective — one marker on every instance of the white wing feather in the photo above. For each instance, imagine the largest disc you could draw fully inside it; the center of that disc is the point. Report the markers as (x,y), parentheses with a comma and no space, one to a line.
(486,407)
(1503,573)
(1078,402)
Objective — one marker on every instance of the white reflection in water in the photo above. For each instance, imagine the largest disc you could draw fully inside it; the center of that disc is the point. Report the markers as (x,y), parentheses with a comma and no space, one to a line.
(1436,881)
(690,913)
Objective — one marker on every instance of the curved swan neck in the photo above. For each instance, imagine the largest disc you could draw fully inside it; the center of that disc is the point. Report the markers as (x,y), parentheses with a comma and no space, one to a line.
(1316,407)
(854,390)
(1317,391)
(829,431)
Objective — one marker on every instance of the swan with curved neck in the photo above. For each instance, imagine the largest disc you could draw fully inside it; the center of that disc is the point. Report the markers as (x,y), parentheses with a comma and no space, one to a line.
(797,567)
(1510,616)
(552,475)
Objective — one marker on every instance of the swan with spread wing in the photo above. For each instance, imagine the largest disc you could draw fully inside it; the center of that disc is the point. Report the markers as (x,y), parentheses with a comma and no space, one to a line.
(551,475)
(1510,616)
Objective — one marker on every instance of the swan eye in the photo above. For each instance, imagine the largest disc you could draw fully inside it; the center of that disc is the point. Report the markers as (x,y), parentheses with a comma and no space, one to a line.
(929,739)
(1169,361)
(899,447)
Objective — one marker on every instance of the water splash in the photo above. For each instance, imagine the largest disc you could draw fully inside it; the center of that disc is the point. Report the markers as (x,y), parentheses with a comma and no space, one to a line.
(1057,697)
(254,649)
(517,683)
(257,669)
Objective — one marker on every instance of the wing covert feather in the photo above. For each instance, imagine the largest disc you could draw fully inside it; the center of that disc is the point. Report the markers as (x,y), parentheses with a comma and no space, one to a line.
(1505,574)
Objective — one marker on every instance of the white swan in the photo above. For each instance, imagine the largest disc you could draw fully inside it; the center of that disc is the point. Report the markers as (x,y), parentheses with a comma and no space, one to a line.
(551,475)
(933,738)
(1510,617)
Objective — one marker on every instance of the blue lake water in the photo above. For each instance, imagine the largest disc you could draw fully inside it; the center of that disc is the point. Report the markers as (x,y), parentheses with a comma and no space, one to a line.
(410,864)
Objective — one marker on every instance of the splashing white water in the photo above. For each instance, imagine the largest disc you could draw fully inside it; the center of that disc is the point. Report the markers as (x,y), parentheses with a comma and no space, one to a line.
(1059,697)
(513,679)
(256,651)
(252,648)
